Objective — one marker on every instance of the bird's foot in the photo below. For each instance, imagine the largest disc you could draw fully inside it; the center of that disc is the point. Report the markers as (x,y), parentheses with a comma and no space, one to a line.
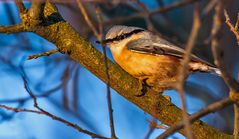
(144,89)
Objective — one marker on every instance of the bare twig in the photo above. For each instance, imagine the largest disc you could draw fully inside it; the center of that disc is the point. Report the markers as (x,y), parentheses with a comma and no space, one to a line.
(209,109)
(152,126)
(99,37)
(217,23)
(12,29)
(166,8)
(210,6)
(43,112)
(99,17)
(54,117)
(174,6)
(230,81)
(42,54)
(236,121)
(237,23)
(20,6)
(65,81)
(75,89)
(87,18)
(19,110)
(182,74)
(24,99)
(234,29)
(146,14)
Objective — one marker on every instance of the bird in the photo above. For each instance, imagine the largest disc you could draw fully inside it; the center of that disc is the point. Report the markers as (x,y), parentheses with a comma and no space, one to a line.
(150,58)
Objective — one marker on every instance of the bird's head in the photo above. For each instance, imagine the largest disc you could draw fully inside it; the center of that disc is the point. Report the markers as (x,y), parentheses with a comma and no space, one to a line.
(119,35)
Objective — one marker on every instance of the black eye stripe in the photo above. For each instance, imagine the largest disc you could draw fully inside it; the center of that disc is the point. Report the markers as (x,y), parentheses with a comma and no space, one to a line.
(123,36)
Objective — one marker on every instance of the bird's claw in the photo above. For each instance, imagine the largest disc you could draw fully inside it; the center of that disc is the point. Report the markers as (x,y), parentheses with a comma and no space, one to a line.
(144,89)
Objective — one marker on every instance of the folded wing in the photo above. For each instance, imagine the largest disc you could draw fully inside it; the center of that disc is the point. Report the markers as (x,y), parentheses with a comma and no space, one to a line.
(159,46)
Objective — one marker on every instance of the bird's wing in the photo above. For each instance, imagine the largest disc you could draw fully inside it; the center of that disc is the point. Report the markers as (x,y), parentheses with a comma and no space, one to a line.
(159,47)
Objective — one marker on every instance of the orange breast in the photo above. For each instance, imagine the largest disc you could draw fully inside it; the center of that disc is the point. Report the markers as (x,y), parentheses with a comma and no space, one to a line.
(145,65)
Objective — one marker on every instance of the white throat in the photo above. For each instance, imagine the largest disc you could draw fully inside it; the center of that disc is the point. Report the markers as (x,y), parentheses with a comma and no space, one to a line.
(116,48)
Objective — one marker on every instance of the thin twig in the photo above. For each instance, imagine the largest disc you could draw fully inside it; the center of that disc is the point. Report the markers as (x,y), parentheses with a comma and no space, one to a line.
(147,15)
(110,110)
(173,6)
(75,87)
(65,81)
(19,110)
(182,74)
(209,109)
(236,121)
(152,126)
(166,8)
(12,28)
(87,18)
(210,6)
(230,81)
(99,37)
(20,6)
(93,135)
(24,99)
(235,96)
(237,23)
(217,23)
(42,54)
(234,29)
(54,117)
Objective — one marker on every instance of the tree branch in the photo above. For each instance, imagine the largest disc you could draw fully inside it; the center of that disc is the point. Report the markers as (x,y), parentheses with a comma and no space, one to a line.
(234,29)
(43,54)
(209,109)
(12,29)
(20,6)
(236,121)
(230,81)
(217,23)
(183,71)
(99,37)
(54,117)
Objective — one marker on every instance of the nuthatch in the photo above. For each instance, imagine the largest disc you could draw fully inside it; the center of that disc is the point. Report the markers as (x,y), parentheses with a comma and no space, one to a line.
(148,57)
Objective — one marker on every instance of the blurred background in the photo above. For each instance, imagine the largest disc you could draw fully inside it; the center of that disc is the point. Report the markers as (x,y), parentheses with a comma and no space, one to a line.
(68,90)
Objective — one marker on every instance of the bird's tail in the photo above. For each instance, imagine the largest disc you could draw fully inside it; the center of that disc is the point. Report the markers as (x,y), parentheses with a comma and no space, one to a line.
(215,71)
(204,67)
